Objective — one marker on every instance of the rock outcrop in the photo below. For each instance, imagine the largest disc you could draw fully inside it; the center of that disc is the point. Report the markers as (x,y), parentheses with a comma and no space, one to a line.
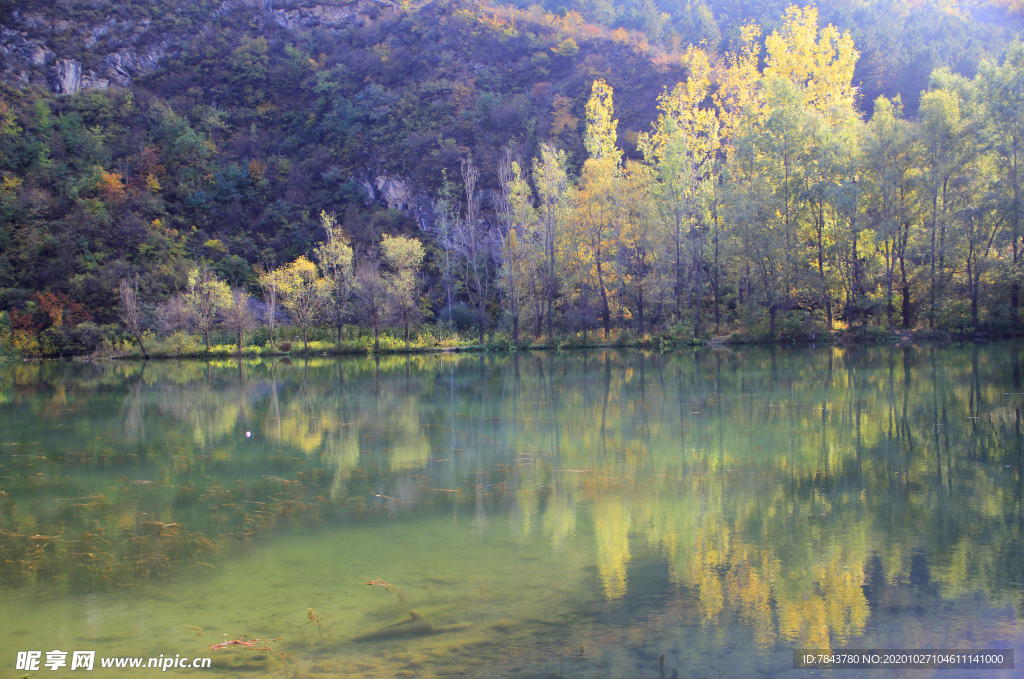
(115,52)
(329,15)
(67,77)
(126,48)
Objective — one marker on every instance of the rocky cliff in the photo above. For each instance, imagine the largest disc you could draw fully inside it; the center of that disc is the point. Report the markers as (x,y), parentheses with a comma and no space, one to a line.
(112,45)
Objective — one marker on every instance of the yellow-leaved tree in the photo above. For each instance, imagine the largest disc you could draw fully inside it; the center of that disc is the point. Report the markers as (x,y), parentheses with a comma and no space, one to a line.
(403,256)
(206,297)
(683,151)
(335,257)
(820,63)
(303,294)
(520,252)
(594,209)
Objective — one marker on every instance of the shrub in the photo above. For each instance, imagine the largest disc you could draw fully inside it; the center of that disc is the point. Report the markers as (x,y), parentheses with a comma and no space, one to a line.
(465,318)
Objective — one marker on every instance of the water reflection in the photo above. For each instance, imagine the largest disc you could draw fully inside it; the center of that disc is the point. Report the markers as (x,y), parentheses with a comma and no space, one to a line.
(809,497)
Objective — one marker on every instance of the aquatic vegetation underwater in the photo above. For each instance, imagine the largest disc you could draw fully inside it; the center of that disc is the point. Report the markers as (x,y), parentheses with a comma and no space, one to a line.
(583,515)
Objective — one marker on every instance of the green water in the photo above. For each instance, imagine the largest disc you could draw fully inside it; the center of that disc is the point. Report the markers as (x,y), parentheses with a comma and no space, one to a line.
(542,515)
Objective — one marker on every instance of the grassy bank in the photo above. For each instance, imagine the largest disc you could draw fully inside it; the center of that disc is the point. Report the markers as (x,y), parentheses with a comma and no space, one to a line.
(355,340)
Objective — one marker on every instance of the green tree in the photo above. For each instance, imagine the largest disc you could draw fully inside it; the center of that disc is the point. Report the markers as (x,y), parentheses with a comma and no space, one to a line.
(1001,91)
(890,158)
(949,145)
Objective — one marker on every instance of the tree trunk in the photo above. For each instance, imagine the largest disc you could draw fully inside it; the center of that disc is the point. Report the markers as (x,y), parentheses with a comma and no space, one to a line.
(605,312)
(550,282)
(698,297)
(142,346)
(905,291)
(640,308)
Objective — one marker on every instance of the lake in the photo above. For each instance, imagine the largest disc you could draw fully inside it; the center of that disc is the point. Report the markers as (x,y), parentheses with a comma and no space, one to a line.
(555,514)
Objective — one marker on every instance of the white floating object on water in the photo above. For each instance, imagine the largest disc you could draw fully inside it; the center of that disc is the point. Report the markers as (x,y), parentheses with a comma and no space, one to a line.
(248,434)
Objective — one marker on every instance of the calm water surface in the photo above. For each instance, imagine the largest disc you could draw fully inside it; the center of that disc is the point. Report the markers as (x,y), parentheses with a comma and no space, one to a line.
(543,515)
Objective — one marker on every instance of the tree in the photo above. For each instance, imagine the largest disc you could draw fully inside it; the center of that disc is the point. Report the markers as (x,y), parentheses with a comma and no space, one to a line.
(445,226)
(600,137)
(637,234)
(270,285)
(595,205)
(303,293)
(1001,89)
(594,215)
(205,298)
(890,166)
(237,314)
(551,180)
(404,256)
(130,312)
(518,239)
(173,315)
(475,245)
(335,256)
(683,151)
(819,63)
(949,143)
(371,293)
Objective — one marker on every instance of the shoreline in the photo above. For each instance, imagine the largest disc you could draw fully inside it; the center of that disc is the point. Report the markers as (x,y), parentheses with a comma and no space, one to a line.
(737,339)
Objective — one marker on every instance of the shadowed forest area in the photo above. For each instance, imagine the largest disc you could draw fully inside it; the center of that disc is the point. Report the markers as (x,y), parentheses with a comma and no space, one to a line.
(209,178)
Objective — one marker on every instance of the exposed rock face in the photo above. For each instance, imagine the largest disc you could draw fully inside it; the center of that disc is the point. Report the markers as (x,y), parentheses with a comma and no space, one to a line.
(398,194)
(328,15)
(67,76)
(124,50)
(41,56)
(128,63)
(26,60)
(395,192)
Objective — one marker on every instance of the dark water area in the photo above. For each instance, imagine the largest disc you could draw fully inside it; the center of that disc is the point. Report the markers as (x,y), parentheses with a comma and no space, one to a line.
(579,514)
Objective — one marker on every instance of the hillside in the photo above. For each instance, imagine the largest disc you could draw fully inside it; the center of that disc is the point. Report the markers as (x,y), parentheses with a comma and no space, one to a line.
(141,138)
(228,142)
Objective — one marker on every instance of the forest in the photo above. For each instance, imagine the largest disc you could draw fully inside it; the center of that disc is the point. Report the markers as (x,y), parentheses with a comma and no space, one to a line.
(464,174)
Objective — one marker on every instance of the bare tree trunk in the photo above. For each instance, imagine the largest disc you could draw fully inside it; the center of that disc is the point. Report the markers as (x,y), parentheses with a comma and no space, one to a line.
(130,313)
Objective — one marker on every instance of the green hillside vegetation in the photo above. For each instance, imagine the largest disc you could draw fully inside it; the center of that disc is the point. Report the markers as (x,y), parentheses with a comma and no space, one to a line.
(454,174)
